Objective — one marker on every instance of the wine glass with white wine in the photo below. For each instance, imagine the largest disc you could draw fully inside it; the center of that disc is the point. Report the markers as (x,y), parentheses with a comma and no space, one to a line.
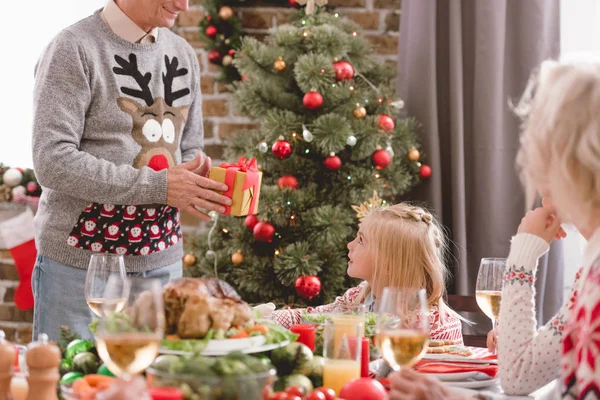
(402,326)
(488,289)
(128,340)
(100,269)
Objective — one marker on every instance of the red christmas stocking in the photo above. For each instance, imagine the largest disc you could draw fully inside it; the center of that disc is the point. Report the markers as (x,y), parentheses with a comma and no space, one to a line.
(17,234)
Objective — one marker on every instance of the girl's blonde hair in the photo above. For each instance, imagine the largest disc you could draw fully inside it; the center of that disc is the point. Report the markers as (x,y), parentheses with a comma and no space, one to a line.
(407,248)
(560,141)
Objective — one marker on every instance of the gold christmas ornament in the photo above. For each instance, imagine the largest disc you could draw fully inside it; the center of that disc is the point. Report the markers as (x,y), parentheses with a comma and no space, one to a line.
(225,13)
(237,258)
(363,209)
(227,60)
(279,64)
(189,259)
(360,112)
(413,154)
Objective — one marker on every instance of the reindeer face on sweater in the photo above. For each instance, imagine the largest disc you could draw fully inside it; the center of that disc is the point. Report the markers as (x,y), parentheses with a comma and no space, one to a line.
(157,123)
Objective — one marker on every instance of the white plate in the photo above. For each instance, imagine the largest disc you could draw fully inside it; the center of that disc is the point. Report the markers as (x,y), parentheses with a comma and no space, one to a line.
(461,376)
(247,346)
(462,392)
(474,384)
(454,358)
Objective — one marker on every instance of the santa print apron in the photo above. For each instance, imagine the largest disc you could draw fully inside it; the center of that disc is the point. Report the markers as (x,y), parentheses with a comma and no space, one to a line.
(126,230)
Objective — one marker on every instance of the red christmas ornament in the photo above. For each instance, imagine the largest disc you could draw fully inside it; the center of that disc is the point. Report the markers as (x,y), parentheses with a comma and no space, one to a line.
(208,18)
(381,159)
(263,231)
(312,100)
(293,3)
(251,221)
(333,162)
(425,171)
(214,57)
(343,70)
(282,149)
(287,181)
(308,286)
(231,52)
(211,31)
(386,123)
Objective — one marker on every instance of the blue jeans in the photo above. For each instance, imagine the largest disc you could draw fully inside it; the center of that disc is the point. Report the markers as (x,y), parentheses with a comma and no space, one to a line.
(59,293)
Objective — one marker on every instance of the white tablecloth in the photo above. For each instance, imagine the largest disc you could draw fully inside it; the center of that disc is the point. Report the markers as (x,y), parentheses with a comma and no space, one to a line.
(545,393)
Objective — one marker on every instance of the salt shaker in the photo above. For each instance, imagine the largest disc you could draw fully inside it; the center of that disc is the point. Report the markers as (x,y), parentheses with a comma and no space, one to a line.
(43,358)
(7,357)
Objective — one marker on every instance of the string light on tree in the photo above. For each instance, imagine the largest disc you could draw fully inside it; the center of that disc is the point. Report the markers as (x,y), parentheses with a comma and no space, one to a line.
(381,159)
(312,100)
(308,286)
(333,162)
(279,64)
(282,149)
(386,123)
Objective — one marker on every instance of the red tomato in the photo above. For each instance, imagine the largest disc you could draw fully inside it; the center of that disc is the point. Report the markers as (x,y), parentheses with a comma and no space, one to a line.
(266,392)
(279,396)
(363,389)
(295,390)
(315,395)
(293,397)
(329,393)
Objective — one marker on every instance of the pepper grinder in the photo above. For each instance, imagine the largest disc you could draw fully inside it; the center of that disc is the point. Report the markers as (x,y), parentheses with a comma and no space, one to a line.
(43,358)
(7,357)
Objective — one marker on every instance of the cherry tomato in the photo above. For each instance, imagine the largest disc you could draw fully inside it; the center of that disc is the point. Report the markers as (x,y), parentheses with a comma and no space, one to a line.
(279,396)
(328,392)
(294,390)
(315,395)
(266,392)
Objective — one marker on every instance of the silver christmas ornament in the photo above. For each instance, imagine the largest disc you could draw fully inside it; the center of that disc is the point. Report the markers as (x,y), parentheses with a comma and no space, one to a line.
(351,141)
(307,135)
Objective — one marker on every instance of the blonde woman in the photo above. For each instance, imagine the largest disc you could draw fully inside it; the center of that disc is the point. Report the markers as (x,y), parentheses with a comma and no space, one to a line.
(400,245)
(560,159)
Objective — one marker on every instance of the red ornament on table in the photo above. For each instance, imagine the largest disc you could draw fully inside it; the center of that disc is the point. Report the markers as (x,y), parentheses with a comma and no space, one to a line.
(211,31)
(333,162)
(306,334)
(425,171)
(214,57)
(308,286)
(287,181)
(312,100)
(263,231)
(381,159)
(282,149)
(251,221)
(386,123)
(343,70)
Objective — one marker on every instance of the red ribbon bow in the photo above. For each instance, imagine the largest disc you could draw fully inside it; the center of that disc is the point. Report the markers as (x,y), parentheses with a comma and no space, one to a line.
(250,182)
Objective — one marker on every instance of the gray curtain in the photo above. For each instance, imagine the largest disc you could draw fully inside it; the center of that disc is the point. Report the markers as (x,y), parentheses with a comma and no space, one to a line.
(460,63)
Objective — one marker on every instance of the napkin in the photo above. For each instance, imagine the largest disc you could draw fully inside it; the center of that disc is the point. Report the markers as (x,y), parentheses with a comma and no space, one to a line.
(447,367)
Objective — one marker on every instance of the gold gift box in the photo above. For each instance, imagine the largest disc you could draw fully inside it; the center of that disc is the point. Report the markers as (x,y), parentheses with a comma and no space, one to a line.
(240,199)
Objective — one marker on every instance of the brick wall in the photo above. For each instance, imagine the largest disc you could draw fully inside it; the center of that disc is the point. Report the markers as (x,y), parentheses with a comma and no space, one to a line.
(380,20)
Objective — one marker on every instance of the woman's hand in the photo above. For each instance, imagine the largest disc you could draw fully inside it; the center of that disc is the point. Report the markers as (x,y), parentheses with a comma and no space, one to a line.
(542,222)
(410,385)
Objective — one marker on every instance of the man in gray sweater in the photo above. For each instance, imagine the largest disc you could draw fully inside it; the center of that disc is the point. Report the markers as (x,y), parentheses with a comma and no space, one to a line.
(117,139)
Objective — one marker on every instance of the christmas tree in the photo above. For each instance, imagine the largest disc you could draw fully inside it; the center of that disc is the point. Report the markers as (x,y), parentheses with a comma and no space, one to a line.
(332,144)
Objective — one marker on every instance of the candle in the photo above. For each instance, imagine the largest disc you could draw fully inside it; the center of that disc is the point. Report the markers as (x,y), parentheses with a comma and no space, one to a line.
(365,357)
(346,326)
(306,334)
(337,372)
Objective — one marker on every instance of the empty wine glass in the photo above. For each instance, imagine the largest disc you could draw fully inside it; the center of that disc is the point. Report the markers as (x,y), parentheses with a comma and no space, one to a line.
(100,269)
(128,340)
(488,289)
(402,326)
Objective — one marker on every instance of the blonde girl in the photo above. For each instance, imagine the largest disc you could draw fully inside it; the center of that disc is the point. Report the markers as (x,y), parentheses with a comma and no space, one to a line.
(402,246)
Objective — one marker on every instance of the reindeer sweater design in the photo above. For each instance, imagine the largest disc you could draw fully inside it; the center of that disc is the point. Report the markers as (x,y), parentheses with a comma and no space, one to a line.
(110,117)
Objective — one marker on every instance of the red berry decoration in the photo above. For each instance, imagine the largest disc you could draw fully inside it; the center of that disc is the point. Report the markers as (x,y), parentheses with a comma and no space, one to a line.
(282,149)
(343,70)
(231,52)
(312,100)
(333,162)
(208,18)
(251,221)
(214,57)
(211,31)
(308,286)
(287,181)
(386,123)
(263,231)
(381,159)
(425,171)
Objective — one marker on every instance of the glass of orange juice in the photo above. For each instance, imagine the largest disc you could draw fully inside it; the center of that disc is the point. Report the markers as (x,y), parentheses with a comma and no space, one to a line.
(342,352)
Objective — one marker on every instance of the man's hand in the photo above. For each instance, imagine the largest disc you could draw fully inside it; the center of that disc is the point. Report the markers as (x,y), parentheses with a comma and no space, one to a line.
(492,341)
(410,385)
(204,169)
(542,222)
(188,189)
